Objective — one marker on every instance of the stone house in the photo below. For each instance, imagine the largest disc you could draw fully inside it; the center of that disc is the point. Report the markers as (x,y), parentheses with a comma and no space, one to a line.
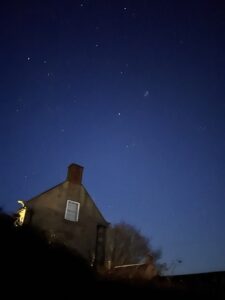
(67,214)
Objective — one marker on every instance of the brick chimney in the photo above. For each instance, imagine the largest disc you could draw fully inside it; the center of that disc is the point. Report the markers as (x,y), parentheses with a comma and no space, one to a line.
(74,174)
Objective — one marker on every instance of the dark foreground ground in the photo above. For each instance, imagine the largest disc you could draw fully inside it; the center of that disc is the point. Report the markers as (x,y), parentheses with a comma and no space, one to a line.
(32,268)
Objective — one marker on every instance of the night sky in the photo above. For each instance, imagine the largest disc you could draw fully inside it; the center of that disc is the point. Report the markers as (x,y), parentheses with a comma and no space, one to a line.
(134,92)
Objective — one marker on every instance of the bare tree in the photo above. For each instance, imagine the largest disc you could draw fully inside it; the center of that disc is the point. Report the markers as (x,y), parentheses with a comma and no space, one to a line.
(126,245)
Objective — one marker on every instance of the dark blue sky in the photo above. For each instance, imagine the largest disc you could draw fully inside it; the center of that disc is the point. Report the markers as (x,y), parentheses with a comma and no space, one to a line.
(133,91)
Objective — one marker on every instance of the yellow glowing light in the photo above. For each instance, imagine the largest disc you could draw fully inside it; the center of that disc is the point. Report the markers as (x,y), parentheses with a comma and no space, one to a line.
(21,213)
(21,202)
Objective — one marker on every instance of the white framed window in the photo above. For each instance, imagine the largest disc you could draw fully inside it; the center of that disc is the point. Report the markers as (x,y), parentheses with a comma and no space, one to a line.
(72,211)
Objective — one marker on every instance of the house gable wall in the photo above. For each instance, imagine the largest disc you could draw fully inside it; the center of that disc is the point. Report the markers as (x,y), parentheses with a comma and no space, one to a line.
(48,211)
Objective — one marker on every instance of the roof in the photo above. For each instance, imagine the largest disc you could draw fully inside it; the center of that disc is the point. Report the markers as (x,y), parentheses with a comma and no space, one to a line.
(61,183)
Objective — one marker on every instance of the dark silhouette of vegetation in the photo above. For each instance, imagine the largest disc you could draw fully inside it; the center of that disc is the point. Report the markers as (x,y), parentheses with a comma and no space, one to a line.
(32,268)
(127,245)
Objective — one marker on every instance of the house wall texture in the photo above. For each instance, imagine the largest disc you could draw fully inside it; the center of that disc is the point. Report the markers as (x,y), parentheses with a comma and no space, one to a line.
(47,212)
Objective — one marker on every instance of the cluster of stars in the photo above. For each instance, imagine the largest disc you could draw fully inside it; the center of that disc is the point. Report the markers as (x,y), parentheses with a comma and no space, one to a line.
(49,74)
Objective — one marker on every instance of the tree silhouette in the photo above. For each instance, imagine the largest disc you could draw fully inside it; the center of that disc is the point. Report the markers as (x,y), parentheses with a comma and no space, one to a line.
(126,245)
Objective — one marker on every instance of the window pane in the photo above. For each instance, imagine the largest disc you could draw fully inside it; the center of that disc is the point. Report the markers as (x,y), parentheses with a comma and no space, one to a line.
(72,211)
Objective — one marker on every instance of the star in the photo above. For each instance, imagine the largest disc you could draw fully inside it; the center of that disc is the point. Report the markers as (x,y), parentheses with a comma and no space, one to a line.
(146,94)
(28,58)
(50,74)
(132,145)
(119,114)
